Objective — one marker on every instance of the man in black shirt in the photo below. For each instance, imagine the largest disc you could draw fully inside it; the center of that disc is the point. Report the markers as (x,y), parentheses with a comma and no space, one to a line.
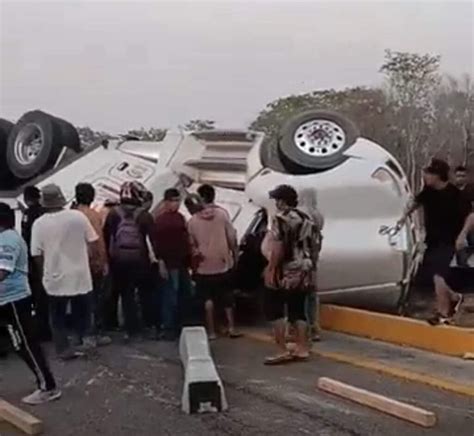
(31,197)
(445,211)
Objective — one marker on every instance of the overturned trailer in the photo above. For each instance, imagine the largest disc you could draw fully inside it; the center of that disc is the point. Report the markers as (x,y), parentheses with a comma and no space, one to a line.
(356,184)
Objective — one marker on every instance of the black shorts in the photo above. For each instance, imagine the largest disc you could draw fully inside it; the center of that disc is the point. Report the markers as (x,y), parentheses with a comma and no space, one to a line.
(277,301)
(216,288)
(437,260)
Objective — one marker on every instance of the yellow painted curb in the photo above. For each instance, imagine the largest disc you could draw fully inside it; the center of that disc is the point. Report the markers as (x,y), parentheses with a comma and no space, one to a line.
(405,374)
(449,340)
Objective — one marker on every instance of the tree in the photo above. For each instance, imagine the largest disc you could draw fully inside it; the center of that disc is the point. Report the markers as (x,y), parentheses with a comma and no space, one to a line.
(411,83)
(151,134)
(455,118)
(199,125)
(91,137)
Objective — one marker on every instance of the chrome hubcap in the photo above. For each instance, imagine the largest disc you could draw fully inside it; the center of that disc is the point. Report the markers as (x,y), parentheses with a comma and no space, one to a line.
(28,144)
(320,138)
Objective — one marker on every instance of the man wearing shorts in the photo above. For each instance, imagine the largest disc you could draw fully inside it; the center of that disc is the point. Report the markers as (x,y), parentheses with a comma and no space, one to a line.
(291,247)
(214,243)
(445,210)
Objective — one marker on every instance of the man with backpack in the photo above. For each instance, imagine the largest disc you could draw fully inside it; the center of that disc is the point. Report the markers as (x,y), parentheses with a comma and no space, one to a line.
(292,249)
(126,230)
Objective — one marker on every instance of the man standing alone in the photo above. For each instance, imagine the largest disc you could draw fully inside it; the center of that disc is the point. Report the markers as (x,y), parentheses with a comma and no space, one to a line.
(60,241)
(445,210)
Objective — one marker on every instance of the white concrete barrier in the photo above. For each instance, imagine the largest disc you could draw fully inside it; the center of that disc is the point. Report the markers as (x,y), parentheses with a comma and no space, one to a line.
(203,390)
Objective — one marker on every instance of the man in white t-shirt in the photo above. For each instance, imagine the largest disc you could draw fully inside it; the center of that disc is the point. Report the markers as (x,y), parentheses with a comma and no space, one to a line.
(59,243)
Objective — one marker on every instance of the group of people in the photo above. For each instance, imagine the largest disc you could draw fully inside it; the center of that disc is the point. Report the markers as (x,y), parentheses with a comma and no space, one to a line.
(78,263)
(72,265)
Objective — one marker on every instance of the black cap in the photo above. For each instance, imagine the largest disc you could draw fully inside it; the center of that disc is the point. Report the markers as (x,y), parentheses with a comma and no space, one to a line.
(284,192)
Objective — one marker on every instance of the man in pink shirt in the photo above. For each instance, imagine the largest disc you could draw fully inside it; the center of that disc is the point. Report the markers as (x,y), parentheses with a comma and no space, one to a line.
(214,242)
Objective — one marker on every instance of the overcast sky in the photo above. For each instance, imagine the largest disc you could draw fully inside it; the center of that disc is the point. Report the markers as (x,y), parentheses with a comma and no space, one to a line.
(117,65)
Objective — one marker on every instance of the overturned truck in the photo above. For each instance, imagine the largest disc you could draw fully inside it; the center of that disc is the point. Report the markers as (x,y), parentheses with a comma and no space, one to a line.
(356,184)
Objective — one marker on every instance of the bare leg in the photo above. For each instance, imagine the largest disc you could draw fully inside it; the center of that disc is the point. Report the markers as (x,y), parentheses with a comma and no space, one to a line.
(444,296)
(229,313)
(302,349)
(279,330)
(211,329)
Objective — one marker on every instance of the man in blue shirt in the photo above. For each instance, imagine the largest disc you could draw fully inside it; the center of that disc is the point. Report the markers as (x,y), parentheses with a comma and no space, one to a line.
(16,308)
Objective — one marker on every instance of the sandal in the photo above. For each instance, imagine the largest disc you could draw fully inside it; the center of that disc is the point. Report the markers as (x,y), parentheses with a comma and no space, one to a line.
(301,355)
(439,319)
(458,304)
(279,359)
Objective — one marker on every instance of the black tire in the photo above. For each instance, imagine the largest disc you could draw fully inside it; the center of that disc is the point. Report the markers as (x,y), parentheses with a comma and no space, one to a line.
(340,134)
(69,136)
(5,129)
(47,127)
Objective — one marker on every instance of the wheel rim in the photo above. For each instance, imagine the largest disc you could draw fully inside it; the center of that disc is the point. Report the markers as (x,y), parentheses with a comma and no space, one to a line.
(320,138)
(28,144)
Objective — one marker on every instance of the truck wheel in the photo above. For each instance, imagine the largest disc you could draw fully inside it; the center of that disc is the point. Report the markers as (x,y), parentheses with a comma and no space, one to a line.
(69,136)
(34,145)
(316,140)
(5,129)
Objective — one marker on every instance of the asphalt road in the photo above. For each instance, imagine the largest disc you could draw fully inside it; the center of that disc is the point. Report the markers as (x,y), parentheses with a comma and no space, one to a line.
(136,390)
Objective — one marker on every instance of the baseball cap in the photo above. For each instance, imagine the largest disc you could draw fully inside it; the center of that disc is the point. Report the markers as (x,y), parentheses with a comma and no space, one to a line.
(284,192)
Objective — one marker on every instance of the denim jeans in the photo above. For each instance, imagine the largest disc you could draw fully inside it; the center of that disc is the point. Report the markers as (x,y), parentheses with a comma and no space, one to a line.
(80,316)
(176,293)
(149,298)
(127,279)
(98,304)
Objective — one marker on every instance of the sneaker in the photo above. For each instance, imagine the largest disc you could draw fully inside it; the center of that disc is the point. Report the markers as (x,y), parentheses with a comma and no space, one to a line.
(88,343)
(70,355)
(41,397)
(102,341)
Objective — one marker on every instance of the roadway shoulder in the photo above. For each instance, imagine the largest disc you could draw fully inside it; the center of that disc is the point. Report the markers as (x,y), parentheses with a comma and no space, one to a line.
(448,340)
(441,372)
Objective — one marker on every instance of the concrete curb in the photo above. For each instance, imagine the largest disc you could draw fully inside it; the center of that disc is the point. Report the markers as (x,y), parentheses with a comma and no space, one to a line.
(373,365)
(448,340)
(203,390)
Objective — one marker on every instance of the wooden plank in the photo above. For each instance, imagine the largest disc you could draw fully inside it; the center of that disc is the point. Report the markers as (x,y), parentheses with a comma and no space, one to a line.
(20,419)
(384,404)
